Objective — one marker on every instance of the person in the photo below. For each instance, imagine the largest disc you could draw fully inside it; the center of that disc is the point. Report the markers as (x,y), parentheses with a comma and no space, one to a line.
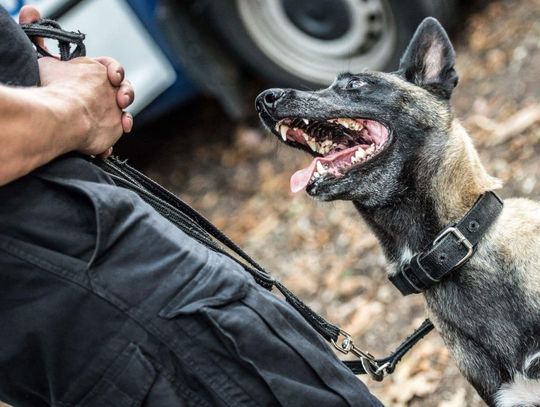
(103,302)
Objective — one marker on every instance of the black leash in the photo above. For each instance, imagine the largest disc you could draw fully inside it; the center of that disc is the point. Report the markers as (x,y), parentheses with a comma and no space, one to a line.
(198,227)
(195,225)
(46,28)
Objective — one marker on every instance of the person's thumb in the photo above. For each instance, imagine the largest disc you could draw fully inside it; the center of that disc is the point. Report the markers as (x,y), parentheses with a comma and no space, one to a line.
(29,15)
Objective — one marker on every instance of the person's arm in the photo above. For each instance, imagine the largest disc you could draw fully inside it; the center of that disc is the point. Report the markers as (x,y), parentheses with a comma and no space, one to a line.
(77,109)
(34,130)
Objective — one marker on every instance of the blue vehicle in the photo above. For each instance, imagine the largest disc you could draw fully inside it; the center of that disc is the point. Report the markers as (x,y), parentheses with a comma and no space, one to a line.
(175,49)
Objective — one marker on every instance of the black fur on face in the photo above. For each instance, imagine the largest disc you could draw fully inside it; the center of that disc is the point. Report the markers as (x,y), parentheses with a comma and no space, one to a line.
(411,103)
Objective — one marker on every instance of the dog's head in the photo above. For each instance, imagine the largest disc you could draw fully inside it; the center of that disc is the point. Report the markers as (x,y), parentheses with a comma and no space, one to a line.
(367,130)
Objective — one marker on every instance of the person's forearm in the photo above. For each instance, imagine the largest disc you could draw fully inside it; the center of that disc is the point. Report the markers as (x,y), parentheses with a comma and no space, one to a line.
(37,125)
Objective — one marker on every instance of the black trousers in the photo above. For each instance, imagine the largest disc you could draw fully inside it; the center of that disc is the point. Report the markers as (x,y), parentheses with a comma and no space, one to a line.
(103,302)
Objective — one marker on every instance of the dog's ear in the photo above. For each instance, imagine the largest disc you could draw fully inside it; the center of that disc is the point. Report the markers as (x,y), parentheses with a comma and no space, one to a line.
(429,59)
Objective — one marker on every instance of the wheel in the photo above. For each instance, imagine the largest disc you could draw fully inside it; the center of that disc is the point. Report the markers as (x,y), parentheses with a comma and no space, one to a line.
(308,42)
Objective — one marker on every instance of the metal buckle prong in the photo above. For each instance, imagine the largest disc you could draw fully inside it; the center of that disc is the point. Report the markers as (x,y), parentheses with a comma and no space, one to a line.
(461,240)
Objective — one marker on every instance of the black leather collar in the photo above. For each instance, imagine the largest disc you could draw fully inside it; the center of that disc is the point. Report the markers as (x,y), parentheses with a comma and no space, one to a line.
(450,249)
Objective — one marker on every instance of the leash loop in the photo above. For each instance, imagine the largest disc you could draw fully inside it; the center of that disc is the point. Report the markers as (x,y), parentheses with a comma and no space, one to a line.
(47,28)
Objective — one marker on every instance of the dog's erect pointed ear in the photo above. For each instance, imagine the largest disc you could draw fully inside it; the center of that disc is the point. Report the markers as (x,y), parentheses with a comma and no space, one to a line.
(429,59)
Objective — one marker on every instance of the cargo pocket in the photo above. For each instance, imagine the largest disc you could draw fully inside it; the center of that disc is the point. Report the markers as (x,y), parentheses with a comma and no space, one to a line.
(125,383)
(200,345)
(274,356)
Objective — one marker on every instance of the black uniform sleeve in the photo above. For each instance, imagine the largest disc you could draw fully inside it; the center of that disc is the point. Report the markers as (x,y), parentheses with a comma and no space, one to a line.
(18,60)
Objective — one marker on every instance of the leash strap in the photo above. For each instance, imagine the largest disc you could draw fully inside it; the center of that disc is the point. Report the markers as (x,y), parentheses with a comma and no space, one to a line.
(46,28)
(195,225)
(198,227)
(450,249)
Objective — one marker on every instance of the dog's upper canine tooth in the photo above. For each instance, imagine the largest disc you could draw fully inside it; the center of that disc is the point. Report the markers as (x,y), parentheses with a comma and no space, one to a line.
(312,144)
(283,131)
(306,121)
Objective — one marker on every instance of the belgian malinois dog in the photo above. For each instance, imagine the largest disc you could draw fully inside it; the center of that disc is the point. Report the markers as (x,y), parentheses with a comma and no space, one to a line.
(390,143)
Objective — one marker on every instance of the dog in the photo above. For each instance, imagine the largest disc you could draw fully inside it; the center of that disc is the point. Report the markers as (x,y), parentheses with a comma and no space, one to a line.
(391,144)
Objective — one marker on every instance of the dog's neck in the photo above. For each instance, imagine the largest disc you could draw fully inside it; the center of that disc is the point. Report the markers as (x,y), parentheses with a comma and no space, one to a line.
(439,193)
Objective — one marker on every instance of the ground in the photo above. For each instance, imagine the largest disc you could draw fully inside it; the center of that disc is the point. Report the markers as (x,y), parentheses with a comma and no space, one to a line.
(239,178)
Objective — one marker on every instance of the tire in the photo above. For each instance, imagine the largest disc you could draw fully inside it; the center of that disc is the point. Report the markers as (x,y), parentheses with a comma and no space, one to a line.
(265,38)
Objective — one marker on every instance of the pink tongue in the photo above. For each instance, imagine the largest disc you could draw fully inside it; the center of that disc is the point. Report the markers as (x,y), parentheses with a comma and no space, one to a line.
(300,178)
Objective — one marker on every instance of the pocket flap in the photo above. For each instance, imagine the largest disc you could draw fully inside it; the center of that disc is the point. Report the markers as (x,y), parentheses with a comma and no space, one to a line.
(212,286)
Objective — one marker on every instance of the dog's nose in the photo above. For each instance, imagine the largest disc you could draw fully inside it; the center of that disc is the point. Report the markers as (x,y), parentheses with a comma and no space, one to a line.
(267,100)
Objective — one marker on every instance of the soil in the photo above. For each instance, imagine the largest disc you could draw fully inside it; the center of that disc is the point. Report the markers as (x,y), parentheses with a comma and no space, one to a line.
(238,176)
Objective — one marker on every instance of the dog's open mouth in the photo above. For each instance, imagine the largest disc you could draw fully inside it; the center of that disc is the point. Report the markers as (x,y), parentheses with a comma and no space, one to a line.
(337,144)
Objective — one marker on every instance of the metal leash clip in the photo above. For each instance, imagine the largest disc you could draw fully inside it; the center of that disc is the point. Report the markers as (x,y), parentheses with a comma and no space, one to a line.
(369,363)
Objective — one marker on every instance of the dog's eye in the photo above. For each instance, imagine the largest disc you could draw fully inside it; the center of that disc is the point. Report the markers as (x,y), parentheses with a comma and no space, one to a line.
(355,84)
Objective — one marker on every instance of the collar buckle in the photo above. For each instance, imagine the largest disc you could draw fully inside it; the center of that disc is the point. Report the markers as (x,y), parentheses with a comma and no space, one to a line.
(461,239)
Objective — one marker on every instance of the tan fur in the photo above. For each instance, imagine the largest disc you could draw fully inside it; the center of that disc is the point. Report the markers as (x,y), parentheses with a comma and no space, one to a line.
(516,235)
(461,177)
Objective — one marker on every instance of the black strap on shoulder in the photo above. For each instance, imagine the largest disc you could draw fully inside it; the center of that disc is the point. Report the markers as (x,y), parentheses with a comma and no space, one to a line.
(450,249)
(195,225)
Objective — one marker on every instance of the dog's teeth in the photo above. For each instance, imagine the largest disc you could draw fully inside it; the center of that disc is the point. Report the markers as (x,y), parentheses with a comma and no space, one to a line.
(306,121)
(283,131)
(354,159)
(316,175)
(324,148)
(320,169)
(312,144)
(371,149)
(360,154)
(343,122)
(350,124)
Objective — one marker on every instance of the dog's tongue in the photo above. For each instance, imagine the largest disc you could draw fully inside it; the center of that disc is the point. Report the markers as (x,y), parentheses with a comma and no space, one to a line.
(300,178)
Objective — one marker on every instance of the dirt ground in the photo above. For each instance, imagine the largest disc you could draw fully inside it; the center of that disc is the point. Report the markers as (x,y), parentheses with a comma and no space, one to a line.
(239,178)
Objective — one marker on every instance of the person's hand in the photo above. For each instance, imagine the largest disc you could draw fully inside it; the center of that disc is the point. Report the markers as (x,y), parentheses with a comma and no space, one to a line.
(97,86)
(81,88)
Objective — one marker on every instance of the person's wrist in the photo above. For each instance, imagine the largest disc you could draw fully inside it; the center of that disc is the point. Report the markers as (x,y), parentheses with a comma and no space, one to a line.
(68,117)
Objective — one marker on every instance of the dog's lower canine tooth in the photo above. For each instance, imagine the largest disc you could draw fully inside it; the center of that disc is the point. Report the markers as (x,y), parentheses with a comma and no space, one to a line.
(283,131)
(306,121)
(320,169)
(360,153)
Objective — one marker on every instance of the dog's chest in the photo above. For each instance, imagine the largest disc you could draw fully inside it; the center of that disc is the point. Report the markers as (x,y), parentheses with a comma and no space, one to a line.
(489,326)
